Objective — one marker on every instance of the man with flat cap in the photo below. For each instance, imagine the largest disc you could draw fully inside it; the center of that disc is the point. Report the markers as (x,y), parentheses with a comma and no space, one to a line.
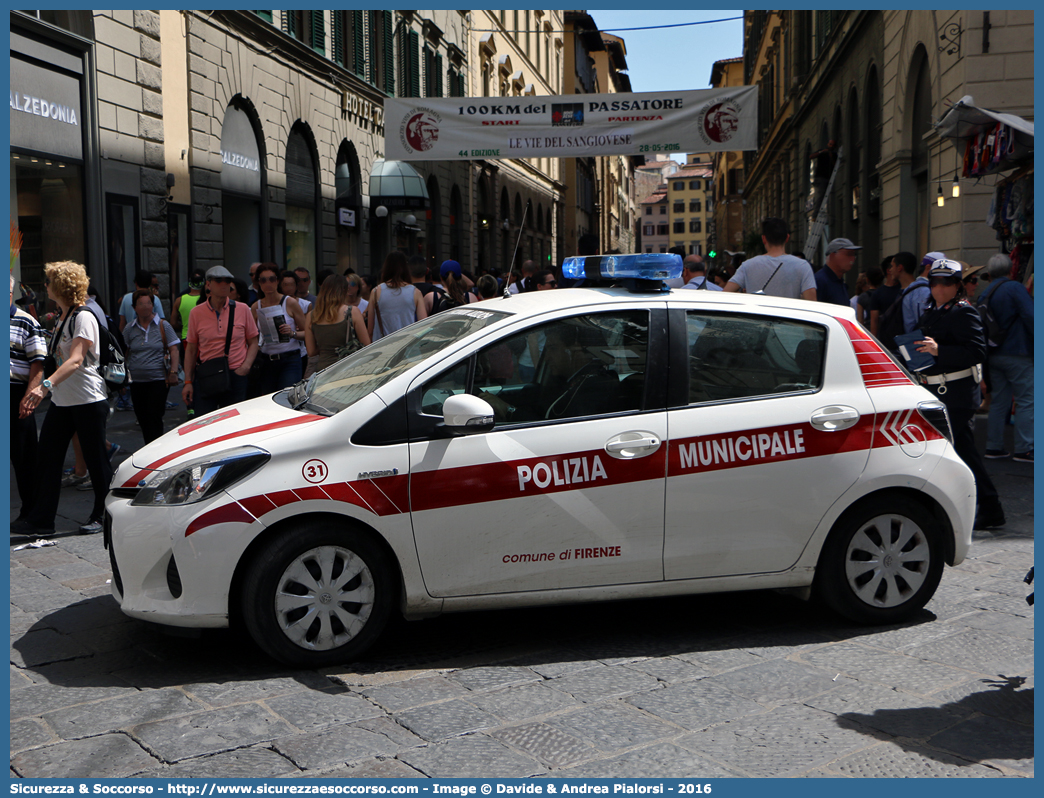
(208,339)
(830,280)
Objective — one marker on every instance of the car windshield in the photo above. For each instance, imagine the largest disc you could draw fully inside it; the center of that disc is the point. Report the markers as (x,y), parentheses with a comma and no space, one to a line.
(349,380)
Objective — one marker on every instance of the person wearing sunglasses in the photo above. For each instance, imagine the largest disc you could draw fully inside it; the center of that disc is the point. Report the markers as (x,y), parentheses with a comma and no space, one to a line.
(953,335)
(281,321)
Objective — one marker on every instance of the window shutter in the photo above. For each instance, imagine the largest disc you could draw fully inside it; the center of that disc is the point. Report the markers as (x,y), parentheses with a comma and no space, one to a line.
(358,64)
(318,31)
(389,53)
(290,23)
(265,15)
(337,45)
(414,49)
(438,75)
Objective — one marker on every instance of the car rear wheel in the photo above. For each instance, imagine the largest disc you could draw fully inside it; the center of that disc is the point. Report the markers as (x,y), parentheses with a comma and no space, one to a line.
(881,563)
(317,596)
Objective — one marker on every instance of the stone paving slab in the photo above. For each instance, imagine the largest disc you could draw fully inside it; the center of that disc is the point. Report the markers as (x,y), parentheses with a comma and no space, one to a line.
(598,684)
(493,677)
(895,713)
(526,701)
(812,738)
(375,768)
(105,757)
(43,698)
(777,682)
(30,733)
(653,762)
(447,719)
(981,650)
(211,732)
(309,709)
(471,757)
(243,763)
(549,745)
(614,726)
(696,705)
(670,670)
(1009,699)
(40,646)
(905,671)
(115,714)
(414,693)
(336,745)
(993,741)
(1002,623)
(888,760)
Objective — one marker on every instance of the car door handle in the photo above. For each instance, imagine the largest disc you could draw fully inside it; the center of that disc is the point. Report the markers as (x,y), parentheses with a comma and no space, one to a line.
(834,418)
(628,445)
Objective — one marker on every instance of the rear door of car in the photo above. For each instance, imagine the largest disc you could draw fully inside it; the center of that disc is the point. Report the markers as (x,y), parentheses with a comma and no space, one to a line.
(769,424)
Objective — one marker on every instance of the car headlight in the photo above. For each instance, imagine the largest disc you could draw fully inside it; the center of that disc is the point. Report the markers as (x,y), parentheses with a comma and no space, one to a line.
(197,479)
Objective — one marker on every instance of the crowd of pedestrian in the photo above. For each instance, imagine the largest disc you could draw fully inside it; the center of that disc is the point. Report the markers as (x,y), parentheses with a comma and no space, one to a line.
(228,342)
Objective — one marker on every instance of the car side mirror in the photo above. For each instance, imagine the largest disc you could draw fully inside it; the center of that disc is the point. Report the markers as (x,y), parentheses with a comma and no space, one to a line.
(464,414)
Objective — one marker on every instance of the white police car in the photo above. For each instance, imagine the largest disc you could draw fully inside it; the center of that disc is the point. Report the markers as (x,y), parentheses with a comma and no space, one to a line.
(562,446)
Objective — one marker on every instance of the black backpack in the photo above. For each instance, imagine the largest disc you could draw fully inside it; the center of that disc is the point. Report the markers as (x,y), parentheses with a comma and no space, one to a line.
(891,322)
(110,355)
(995,333)
(443,301)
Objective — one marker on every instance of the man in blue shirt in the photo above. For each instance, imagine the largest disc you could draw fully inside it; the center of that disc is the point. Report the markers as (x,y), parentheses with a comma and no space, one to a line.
(694,273)
(1010,362)
(830,280)
(917,294)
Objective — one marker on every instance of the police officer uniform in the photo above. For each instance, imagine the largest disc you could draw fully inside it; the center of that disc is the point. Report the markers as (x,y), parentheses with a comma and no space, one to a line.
(954,378)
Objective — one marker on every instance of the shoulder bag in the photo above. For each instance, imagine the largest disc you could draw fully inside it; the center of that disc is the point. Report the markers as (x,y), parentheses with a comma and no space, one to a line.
(351,340)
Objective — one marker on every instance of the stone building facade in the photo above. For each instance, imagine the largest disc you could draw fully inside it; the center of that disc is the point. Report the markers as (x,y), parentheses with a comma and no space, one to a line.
(728,175)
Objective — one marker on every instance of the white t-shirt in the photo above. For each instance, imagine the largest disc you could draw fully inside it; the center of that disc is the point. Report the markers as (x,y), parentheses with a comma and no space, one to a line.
(85,385)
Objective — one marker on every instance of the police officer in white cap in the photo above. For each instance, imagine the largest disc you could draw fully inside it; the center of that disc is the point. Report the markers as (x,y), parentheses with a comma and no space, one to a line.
(953,335)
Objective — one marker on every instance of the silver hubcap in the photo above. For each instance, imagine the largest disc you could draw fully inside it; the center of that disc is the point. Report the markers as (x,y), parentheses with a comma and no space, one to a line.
(324,598)
(887,560)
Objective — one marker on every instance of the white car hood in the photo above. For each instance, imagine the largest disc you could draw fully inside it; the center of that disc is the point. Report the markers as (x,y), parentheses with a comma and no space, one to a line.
(244,423)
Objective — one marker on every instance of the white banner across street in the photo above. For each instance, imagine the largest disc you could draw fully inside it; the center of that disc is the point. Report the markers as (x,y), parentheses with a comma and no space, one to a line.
(575,126)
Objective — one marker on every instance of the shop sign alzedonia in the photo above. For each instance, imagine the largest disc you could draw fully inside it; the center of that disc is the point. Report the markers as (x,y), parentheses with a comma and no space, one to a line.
(574,126)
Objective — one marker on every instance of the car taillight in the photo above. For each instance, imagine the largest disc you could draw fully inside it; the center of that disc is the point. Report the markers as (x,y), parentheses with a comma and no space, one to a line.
(935,414)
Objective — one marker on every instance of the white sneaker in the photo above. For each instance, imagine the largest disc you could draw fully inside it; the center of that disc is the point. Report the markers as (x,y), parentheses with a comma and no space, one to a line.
(69,480)
(91,528)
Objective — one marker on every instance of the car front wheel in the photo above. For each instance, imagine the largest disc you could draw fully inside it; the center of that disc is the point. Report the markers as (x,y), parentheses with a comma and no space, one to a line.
(881,562)
(317,596)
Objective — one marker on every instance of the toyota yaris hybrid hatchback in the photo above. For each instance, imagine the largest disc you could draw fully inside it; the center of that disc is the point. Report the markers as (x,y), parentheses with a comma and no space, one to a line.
(551,447)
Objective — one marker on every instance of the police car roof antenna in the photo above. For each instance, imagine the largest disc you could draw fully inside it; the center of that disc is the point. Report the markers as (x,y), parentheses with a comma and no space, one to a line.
(511,268)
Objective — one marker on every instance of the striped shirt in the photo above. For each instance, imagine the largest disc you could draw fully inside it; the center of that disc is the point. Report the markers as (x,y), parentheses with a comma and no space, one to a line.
(27,344)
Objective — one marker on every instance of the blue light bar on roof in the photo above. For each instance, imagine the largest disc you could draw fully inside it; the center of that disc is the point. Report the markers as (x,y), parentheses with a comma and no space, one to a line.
(639,266)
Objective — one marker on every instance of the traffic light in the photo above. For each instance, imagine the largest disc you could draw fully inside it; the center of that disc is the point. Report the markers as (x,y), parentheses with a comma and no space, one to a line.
(712,254)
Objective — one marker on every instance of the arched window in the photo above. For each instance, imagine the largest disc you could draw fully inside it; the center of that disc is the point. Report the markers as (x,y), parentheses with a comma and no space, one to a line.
(919,103)
(302,201)
(434,226)
(348,205)
(243,186)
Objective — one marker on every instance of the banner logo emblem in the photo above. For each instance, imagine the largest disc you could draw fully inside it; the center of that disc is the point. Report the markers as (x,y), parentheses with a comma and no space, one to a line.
(721,121)
(421,131)
(567,114)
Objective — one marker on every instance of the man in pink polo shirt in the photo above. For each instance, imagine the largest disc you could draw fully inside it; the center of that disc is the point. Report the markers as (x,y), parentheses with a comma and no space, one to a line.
(207,333)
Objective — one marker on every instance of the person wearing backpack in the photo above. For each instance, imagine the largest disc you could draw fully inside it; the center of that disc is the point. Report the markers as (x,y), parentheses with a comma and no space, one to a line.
(890,322)
(79,403)
(453,291)
(1010,354)
(953,336)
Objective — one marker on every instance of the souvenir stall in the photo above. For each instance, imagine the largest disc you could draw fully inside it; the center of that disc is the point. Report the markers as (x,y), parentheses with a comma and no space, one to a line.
(994,143)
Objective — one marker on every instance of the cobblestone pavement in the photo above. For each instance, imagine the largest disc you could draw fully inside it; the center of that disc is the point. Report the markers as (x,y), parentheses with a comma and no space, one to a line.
(742,684)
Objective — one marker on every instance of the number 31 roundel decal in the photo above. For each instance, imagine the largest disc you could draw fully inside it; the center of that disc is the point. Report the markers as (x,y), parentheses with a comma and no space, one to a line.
(315,471)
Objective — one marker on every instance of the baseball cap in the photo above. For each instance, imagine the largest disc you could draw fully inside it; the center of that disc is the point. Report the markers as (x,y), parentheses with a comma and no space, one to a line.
(450,267)
(217,272)
(944,267)
(839,244)
(932,257)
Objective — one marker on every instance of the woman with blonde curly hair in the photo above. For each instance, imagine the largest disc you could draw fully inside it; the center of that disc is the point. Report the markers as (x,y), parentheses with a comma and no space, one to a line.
(78,403)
